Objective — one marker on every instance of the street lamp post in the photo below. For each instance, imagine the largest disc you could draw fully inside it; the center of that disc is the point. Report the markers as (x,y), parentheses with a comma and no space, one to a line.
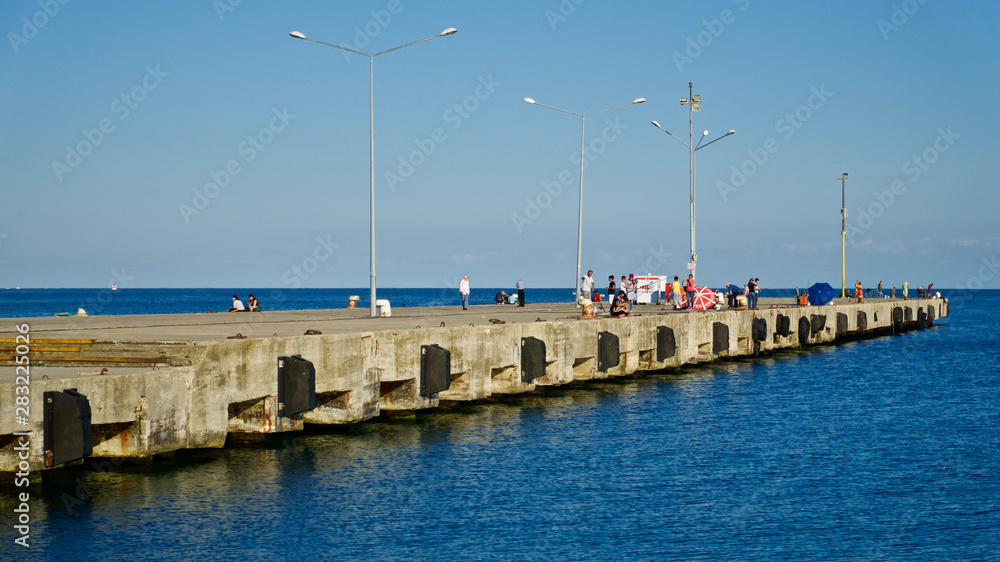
(694,104)
(583,124)
(843,232)
(371,117)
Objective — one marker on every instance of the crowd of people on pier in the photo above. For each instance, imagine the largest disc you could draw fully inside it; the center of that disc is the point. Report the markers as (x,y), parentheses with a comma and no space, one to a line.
(860,294)
(743,296)
(622,295)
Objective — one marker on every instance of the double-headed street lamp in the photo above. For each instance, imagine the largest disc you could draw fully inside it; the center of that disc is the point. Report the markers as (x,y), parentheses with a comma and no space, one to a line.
(843,232)
(583,125)
(371,93)
(694,104)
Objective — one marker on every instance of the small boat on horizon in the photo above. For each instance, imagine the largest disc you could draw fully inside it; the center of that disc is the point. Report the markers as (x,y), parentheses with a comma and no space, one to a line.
(114,287)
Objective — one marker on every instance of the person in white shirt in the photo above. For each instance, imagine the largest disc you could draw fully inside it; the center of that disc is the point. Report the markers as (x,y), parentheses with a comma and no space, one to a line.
(588,285)
(237,305)
(463,289)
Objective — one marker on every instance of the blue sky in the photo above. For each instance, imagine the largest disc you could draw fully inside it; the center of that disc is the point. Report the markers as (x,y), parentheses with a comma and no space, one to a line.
(196,144)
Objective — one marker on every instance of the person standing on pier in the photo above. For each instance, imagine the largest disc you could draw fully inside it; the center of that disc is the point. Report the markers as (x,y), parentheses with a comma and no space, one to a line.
(689,289)
(463,289)
(588,285)
(520,292)
(906,288)
(611,288)
(675,293)
(859,293)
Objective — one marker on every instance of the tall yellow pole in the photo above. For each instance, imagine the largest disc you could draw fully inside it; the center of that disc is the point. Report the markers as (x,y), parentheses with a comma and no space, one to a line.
(843,232)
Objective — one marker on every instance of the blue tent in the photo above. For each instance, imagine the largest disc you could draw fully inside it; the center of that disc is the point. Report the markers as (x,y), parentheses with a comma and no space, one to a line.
(821,293)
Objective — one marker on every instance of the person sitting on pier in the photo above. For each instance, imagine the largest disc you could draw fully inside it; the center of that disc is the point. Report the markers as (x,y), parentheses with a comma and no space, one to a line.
(253,305)
(621,305)
(237,305)
(501,298)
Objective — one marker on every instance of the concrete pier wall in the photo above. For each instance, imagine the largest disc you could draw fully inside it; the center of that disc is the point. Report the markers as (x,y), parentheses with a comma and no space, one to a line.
(213,389)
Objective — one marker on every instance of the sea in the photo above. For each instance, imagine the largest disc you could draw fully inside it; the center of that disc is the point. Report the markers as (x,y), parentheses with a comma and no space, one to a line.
(22,303)
(885,448)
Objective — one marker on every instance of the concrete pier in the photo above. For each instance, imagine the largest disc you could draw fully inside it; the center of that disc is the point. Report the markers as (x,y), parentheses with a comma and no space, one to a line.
(159,383)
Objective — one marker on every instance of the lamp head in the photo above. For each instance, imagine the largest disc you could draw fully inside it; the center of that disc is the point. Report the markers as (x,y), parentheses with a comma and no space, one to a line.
(529,100)
(844,177)
(449,31)
(731,132)
(297,35)
(639,100)
(705,134)
(655,124)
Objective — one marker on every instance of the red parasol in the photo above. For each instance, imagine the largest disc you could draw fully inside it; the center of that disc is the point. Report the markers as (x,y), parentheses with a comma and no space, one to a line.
(704,298)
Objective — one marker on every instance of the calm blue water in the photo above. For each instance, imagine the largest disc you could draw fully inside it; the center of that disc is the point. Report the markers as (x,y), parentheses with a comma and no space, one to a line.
(48,302)
(884,449)
(23,303)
